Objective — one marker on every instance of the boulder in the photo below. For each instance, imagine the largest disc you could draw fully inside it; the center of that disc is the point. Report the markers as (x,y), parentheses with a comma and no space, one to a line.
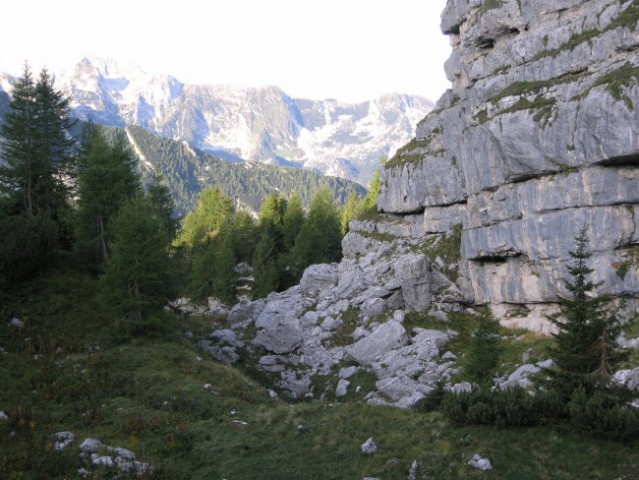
(318,278)
(284,337)
(480,463)
(245,312)
(385,337)
(412,271)
(627,378)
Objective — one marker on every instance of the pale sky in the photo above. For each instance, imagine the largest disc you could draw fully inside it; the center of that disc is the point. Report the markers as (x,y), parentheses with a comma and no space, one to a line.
(350,50)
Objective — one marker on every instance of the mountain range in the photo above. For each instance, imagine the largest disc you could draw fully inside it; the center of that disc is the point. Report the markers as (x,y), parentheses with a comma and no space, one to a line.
(243,124)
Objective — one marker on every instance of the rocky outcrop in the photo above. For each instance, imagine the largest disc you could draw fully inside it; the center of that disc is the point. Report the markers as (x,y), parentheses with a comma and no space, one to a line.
(538,136)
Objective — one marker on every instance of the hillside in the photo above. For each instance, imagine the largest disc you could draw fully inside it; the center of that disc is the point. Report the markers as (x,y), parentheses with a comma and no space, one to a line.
(173,412)
(188,171)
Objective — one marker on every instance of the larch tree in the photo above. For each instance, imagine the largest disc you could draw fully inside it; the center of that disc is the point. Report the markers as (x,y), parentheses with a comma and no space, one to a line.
(138,279)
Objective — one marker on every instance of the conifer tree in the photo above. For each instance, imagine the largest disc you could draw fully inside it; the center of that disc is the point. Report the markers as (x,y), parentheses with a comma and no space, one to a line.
(213,213)
(138,278)
(106,181)
(350,212)
(319,240)
(293,221)
(163,206)
(584,343)
(265,270)
(38,172)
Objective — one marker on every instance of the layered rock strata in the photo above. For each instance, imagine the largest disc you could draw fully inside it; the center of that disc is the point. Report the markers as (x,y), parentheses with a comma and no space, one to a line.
(538,136)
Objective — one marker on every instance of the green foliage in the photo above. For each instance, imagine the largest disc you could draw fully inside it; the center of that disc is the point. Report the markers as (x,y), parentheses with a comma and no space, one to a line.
(38,171)
(514,407)
(138,279)
(483,351)
(604,413)
(163,206)
(26,246)
(213,213)
(213,271)
(293,220)
(319,240)
(265,270)
(106,180)
(585,341)
(188,172)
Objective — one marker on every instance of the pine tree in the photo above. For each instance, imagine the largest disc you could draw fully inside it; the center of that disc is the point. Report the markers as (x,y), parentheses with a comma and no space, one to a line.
(106,181)
(584,343)
(138,279)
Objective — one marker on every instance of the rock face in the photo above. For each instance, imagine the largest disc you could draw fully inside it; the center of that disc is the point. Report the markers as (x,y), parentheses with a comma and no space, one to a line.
(538,136)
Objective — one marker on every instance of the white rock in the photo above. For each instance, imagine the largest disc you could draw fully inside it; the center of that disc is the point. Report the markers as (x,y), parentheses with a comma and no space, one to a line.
(102,460)
(347,372)
(412,473)
(386,337)
(627,378)
(342,388)
(3,416)
(481,463)
(369,447)
(17,323)
(63,440)
(91,445)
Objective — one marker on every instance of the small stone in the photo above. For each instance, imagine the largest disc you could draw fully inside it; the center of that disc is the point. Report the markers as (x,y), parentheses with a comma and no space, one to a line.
(342,388)
(412,473)
(481,463)
(103,460)
(369,447)
(17,323)
(3,416)
(91,445)
(272,393)
(207,386)
(64,439)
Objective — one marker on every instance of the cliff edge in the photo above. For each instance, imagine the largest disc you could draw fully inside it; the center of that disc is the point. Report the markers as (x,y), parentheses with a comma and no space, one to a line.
(538,136)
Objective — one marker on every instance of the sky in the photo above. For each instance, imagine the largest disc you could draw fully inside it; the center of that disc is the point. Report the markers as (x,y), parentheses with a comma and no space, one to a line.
(351,50)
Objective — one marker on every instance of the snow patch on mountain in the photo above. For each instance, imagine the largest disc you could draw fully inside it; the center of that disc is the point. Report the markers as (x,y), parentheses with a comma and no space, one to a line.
(250,124)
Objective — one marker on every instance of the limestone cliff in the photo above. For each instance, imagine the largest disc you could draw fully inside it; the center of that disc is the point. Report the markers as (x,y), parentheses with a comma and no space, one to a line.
(538,136)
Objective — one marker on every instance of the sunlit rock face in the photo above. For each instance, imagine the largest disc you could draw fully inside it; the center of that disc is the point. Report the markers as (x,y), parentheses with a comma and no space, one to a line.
(538,137)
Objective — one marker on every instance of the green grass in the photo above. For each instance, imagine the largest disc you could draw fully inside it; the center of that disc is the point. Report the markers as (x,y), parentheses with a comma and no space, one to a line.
(146,393)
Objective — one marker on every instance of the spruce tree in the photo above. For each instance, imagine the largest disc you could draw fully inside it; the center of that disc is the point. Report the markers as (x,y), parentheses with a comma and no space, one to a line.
(38,174)
(584,342)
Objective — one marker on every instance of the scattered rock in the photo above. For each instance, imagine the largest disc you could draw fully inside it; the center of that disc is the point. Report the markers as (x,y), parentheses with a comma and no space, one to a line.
(481,463)
(627,378)
(385,337)
(342,388)
(347,372)
(3,416)
(412,473)
(91,445)
(369,447)
(16,323)
(63,440)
